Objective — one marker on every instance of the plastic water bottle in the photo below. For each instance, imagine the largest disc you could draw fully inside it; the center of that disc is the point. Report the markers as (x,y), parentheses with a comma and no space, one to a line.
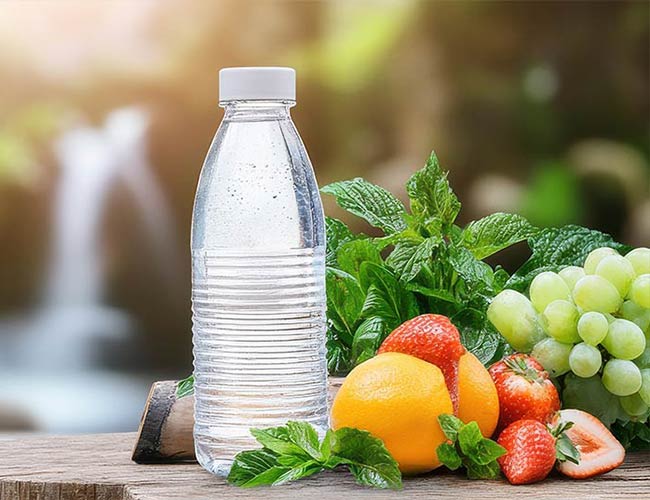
(258,272)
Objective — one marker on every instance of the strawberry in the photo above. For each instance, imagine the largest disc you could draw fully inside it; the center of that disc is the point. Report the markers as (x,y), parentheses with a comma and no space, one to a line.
(525,390)
(530,451)
(599,450)
(433,338)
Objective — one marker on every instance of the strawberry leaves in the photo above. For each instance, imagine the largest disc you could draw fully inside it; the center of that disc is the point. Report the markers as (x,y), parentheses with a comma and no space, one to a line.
(468,448)
(294,451)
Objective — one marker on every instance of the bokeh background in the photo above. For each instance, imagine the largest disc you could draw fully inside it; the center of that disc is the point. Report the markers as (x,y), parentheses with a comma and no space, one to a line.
(107,110)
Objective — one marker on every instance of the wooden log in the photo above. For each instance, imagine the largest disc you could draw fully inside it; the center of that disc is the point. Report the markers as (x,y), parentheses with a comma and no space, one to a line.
(165,431)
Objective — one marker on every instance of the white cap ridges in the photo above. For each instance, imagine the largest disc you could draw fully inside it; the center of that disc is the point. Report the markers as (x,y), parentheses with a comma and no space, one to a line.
(257,83)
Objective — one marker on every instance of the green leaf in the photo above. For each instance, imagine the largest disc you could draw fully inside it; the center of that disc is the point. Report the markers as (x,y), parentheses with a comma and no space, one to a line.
(345,300)
(556,248)
(478,471)
(370,202)
(495,232)
(386,297)
(185,387)
(469,437)
(367,458)
(634,436)
(479,336)
(450,426)
(354,253)
(305,436)
(338,353)
(298,472)
(408,257)
(477,276)
(448,456)
(368,337)
(565,450)
(254,468)
(329,441)
(432,199)
(337,234)
(487,451)
(590,395)
(278,440)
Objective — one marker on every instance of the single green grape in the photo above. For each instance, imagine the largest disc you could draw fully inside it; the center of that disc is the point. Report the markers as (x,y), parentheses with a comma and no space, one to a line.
(553,356)
(595,293)
(635,313)
(515,318)
(594,258)
(560,320)
(640,260)
(571,275)
(585,360)
(633,405)
(624,340)
(621,377)
(644,392)
(640,291)
(618,271)
(547,287)
(593,327)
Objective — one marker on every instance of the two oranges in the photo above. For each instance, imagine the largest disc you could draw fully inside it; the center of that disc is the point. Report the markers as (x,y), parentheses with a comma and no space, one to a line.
(398,398)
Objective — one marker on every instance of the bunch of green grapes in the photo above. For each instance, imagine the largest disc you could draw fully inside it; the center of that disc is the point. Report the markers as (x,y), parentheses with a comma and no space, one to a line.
(592,320)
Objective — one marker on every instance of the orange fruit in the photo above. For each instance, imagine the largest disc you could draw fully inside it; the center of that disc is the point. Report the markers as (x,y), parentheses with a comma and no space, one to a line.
(477,395)
(397,398)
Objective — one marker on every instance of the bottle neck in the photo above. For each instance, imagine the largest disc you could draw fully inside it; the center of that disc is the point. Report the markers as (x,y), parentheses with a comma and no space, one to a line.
(257,110)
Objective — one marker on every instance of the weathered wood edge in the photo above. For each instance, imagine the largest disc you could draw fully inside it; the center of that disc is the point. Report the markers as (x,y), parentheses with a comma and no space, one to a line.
(165,431)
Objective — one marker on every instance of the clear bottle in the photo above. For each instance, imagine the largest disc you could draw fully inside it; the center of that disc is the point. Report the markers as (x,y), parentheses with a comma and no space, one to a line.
(258,272)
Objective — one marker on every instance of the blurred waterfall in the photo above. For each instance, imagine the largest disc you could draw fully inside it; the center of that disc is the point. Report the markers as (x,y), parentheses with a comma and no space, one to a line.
(52,360)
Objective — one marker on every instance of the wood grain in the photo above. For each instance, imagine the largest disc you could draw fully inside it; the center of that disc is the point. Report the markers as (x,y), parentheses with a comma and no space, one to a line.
(99,467)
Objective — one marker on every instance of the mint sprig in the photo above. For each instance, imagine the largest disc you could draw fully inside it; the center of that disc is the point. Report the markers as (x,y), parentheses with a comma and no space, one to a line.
(468,448)
(294,451)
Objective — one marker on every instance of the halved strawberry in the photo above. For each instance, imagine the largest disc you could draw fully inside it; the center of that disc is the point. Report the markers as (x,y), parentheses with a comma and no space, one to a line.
(599,450)
(433,338)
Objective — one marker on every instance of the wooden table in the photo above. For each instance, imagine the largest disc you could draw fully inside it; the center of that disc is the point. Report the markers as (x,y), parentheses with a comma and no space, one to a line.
(99,467)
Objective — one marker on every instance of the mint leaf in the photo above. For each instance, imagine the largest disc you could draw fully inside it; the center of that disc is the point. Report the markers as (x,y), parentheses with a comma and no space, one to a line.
(487,451)
(477,276)
(468,447)
(386,297)
(556,248)
(185,387)
(338,352)
(469,436)
(479,336)
(368,337)
(352,254)
(297,472)
(370,202)
(367,458)
(408,257)
(251,468)
(448,456)
(337,234)
(495,232)
(432,199)
(305,436)
(278,440)
(345,300)
(450,425)
(478,471)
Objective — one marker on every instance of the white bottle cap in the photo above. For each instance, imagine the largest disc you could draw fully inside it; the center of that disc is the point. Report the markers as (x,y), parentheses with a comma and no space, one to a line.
(258,83)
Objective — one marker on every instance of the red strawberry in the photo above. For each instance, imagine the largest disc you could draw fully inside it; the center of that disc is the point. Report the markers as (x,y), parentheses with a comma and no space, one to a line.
(433,338)
(599,450)
(530,451)
(525,390)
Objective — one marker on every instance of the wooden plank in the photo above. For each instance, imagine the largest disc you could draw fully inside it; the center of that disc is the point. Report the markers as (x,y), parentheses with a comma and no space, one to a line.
(99,467)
